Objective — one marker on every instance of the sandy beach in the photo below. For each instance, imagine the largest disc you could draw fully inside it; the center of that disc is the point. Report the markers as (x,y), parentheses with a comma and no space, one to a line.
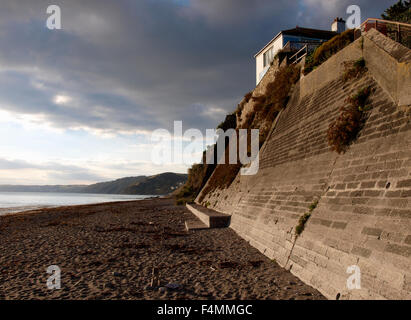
(108,251)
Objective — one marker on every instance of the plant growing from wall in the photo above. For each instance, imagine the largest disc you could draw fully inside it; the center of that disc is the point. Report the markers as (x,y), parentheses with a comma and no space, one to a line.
(309,63)
(350,121)
(304,219)
(248,96)
(198,175)
(327,50)
(277,95)
(356,71)
(278,91)
(280,56)
(230,122)
(240,107)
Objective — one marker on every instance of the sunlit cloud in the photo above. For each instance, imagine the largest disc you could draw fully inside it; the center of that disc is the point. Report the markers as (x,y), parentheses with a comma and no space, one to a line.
(61,99)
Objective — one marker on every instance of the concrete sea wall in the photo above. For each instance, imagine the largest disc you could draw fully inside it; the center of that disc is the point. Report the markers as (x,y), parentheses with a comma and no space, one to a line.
(363,217)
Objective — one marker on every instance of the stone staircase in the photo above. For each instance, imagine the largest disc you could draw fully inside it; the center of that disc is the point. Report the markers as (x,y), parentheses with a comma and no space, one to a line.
(206,218)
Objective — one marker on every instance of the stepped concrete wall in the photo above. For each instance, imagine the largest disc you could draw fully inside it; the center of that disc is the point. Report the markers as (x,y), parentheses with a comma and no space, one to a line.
(363,216)
(390,63)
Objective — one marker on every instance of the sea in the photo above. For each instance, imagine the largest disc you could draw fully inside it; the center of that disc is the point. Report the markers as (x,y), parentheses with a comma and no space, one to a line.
(13,202)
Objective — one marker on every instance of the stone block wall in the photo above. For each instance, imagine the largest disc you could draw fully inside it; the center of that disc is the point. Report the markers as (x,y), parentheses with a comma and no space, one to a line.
(363,216)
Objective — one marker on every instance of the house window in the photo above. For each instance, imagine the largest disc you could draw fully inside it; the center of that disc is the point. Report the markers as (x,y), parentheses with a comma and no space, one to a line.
(268,56)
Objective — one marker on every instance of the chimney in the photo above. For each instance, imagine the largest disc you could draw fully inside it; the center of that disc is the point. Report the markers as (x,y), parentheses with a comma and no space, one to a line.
(338,25)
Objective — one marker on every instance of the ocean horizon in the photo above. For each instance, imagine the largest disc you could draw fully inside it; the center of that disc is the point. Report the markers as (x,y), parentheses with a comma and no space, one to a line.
(13,202)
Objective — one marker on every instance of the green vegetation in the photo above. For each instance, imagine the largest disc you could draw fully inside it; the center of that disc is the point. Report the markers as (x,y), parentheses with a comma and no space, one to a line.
(182,202)
(223,175)
(327,50)
(248,96)
(230,122)
(278,91)
(240,107)
(162,184)
(309,63)
(198,175)
(185,195)
(357,70)
(267,106)
(274,99)
(350,121)
(304,219)
(401,12)
(280,56)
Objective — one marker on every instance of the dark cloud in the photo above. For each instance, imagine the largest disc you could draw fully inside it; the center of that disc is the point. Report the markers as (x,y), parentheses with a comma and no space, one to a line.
(139,65)
(321,12)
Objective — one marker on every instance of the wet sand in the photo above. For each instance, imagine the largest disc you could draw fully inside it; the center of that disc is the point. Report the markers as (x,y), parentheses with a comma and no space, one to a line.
(109,250)
(13,210)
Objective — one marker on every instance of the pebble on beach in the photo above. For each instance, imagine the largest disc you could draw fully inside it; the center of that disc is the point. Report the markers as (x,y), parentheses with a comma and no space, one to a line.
(114,251)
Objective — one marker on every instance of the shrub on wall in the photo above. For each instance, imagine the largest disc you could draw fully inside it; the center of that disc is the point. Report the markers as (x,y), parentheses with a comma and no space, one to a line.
(248,96)
(277,95)
(198,175)
(230,122)
(358,69)
(260,102)
(350,121)
(328,49)
(304,219)
(277,91)
(309,63)
(240,107)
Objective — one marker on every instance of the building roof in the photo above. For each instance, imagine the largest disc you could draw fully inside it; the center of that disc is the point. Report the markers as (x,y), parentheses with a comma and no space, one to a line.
(302,32)
(311,33)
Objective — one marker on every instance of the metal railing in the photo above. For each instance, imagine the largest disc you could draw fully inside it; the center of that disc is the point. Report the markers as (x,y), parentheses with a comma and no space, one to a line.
(294,59)
(300,49)
(291,46)
(305,50)
(397,31)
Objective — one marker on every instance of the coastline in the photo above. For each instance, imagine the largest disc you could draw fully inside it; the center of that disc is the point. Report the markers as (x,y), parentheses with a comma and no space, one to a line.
(108,251)
(17,210)
(6,211)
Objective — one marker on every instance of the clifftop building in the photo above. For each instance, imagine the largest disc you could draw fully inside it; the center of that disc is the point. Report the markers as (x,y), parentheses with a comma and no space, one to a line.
(293,39)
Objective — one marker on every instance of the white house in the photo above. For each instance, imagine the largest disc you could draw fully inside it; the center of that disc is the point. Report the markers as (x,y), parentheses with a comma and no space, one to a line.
(294,39)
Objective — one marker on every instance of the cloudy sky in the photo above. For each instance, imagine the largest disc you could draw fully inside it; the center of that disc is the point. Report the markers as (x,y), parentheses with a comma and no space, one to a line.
(78,105)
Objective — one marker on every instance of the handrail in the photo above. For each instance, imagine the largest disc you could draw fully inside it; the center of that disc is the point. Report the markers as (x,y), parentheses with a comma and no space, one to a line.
(397,31)
(298,45)
(305,48)
(386,21)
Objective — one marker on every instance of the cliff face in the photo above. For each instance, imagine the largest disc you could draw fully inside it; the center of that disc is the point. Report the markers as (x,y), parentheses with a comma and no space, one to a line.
(363,215)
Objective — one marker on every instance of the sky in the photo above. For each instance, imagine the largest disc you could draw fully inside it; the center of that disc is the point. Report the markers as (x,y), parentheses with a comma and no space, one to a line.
(79,105)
